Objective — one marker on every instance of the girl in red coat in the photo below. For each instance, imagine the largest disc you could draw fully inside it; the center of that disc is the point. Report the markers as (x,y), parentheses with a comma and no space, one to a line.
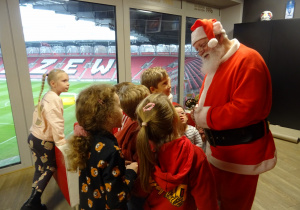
(173,171)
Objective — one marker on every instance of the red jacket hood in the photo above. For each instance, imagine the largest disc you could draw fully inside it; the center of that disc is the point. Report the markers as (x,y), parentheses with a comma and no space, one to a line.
(175,161)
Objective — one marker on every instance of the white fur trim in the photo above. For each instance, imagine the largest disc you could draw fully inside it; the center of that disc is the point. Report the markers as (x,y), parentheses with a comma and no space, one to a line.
(231,51)
(217,27)
(198,34)
(240,168)
(212,43)
(200,115)
(207,83)
(200,112)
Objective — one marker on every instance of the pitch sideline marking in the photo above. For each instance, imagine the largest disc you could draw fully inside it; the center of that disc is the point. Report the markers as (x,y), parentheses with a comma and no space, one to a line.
(7,140)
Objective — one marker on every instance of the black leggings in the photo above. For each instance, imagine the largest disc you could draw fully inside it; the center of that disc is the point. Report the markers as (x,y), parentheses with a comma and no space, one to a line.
(43,153)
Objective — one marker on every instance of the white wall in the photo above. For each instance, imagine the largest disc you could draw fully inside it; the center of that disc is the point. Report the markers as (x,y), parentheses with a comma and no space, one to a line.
(230,16)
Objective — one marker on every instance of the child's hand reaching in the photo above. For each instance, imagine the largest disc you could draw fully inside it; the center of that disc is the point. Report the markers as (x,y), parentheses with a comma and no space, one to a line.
(127,162)
(133,166)
(202,133)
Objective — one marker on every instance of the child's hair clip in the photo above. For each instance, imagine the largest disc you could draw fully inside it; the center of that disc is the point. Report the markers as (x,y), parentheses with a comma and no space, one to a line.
(144,124)
(148,107)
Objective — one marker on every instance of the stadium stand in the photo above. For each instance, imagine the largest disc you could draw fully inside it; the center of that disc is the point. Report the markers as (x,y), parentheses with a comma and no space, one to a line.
(192,79)
(174,49)
(192,74)
(79,67)
(141,63)
(100,50)
(138,63)
(99,62)
(46,50)
(164,62)
(86,50)
(135,50)
(162,49)
(111,50)
(58,50)
(147,49)
(32,51)
(89,62)
(188,49)
(72,50)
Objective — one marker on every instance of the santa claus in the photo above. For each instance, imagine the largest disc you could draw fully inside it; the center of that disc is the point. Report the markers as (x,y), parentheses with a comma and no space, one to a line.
(235,100)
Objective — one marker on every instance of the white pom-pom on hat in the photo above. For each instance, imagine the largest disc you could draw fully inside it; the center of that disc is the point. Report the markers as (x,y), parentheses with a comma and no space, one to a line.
(212,43)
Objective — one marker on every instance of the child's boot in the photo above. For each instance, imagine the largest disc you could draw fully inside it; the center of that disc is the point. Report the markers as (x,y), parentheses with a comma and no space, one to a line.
(34,202)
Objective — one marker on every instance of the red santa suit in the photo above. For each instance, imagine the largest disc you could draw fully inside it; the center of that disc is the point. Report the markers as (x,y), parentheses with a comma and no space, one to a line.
(182,179)
(237,95)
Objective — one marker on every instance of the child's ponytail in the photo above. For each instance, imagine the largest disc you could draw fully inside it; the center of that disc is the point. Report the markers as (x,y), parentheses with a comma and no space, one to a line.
(146,157)
(42,88)
(159,125)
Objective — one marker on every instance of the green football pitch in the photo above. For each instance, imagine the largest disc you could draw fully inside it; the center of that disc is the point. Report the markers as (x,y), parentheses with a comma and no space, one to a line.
(9,152)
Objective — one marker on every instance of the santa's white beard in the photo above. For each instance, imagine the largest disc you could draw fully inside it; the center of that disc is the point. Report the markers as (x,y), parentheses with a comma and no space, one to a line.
(213,60)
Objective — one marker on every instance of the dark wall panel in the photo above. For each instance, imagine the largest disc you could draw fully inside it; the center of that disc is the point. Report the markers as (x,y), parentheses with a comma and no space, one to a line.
(278,43)
(284,64)
(255,35)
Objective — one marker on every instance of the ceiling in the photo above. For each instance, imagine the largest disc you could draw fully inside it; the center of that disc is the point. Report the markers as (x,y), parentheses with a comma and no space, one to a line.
(219,4)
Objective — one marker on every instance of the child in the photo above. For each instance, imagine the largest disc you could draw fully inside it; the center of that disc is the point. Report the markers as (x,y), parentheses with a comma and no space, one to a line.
(189,131)
(127,136)
(104,181)
(129,100)
(120,88)
(157,80)
(47,130)
(179,174)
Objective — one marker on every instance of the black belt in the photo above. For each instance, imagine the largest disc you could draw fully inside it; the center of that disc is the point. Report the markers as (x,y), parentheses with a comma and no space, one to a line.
(236,136)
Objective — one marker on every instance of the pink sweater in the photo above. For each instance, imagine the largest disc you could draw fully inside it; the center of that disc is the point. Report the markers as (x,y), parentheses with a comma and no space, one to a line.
(50,125)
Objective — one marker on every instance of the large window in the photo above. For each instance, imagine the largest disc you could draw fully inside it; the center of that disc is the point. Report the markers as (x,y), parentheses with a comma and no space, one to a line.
(193,77)
(155,41)
(77,37)
(9,152)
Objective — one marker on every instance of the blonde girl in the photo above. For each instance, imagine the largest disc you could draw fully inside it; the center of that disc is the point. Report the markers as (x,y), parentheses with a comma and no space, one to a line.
(104,180)
(47,130)
(173,171)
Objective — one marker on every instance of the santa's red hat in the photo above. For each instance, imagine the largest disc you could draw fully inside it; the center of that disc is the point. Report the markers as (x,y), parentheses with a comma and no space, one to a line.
(206,28)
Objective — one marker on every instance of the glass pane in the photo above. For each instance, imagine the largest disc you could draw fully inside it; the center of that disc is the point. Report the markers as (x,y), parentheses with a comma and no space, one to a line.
(9,151)
(75,36)
(193,77)
(155,39)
